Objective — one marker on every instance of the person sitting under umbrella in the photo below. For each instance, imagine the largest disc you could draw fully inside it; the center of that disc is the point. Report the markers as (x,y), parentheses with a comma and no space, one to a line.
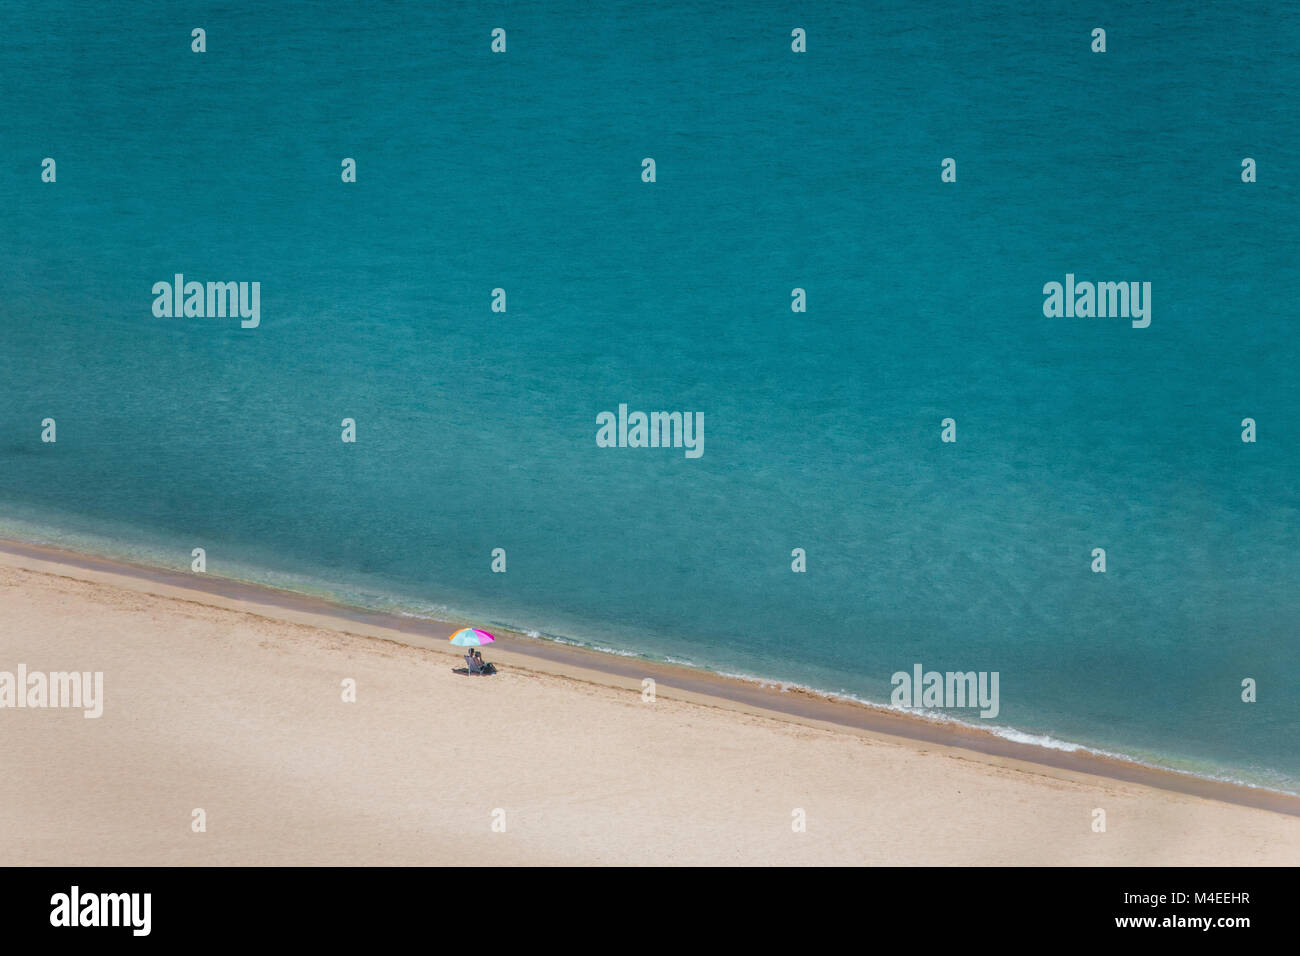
(471,638)
(480,667)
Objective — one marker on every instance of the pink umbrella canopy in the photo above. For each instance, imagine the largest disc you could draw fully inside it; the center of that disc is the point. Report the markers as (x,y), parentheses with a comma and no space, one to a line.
(471,637)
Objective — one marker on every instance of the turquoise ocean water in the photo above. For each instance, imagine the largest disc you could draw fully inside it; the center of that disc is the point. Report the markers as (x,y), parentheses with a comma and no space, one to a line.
(775,170)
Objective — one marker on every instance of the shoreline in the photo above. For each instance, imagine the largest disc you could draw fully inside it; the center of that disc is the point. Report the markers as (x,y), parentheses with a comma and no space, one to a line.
(520,652)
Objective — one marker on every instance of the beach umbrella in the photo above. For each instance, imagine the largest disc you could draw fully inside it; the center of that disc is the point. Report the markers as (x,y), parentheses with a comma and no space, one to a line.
(471,637)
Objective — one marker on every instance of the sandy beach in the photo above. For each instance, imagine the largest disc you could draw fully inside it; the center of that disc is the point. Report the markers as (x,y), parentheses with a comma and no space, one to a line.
(229,699)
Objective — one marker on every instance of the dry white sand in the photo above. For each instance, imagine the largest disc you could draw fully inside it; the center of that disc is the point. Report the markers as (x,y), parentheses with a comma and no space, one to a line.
(242,715)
